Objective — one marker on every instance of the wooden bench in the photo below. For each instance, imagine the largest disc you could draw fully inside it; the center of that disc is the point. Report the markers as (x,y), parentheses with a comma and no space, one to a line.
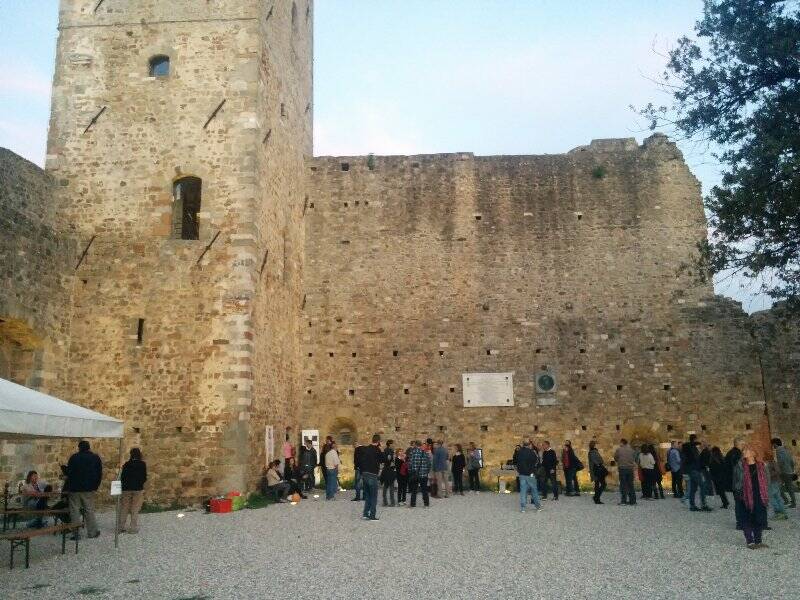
(23,537)
(12,514)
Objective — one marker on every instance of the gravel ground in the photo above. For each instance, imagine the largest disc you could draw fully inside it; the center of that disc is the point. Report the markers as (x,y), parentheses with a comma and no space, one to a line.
(477,546)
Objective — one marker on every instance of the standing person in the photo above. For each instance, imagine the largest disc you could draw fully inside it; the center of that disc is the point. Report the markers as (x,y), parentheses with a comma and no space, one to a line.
(774,491)
(357,453)
(786,468)
(440,458)
(332,463)
(474,468)
(134,474)
(323,451)
(84,472)
(674,462)
(648,466)
(401,469)
(288,449)
(717,469)
(570,463)
(732,458)
(750,483)
(690,456)
(625,457)
(526,464)
(658,488)
(372,458)
(458,464)
(597,471)
(419,467)
(308,464)
(389,473)
(549,464)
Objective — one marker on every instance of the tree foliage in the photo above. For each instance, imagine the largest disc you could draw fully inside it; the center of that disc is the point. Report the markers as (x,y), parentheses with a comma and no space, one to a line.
(737,86)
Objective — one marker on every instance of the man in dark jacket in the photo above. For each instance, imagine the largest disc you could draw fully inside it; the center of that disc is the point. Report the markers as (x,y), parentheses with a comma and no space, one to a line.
(570,463)
(370,462)
(690,458)
(527,461)
(308,464)
(84,473)
(549,462)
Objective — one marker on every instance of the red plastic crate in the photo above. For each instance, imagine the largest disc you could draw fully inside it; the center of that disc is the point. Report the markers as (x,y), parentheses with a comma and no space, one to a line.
(221,505)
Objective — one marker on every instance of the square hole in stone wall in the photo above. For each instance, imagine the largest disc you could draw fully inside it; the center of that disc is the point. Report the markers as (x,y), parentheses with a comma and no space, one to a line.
(583,427)
(536,428)
(406,391)
(669,427)
(794,442)
(395,353)
(703,427)
(785,405)
(345,166)
(667,387)
(667,348)
(617,427)
(582,350)
(310,354)
(441,353)
(397,428)
(748,426)
(484,428)
(538,351)
(622,349)
(354,354)
(330,354)
(442,428)
(583,387)
(351,392)
(477,217)
(619,388)
(452,389)
(136,430)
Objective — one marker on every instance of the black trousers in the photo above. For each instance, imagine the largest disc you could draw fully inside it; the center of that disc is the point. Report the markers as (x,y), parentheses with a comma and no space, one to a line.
(402,487)
(419,484)
(677,484)
(550,484)
(599,487)
(458,481)
(474,479)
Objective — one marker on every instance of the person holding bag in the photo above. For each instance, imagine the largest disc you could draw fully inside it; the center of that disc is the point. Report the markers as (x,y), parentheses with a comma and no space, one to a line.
(597,471)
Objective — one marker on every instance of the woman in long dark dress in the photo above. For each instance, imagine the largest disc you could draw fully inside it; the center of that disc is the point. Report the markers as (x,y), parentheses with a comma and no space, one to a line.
(750,485)
(718,470)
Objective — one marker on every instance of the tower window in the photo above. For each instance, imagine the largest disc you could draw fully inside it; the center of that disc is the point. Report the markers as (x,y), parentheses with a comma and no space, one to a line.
(186,208)
(159,66)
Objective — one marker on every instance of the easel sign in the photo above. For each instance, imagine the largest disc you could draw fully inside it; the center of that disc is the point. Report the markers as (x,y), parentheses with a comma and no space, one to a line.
(269,443)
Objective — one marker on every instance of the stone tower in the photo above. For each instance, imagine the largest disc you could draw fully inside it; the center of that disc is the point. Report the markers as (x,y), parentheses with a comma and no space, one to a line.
(177,143)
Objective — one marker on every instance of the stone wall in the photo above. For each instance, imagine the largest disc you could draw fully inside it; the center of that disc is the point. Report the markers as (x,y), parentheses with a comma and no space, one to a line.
(36,266)
(420,269)
(164,329)
(778,334)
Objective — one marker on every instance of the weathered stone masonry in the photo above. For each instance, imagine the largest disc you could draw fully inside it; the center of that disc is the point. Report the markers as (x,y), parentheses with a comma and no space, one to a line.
(346,294)
(421,268)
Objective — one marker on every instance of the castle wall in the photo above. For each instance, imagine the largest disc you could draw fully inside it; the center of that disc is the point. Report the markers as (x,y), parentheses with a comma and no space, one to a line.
(163,328)
(420,269)
(36,265)
(778,334)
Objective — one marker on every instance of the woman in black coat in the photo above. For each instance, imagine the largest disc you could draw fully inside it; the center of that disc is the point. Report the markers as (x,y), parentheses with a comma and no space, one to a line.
(458,464)
(718,469)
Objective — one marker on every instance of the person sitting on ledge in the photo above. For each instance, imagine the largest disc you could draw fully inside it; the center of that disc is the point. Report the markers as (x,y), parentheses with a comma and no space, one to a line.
(292,475)
(271,483)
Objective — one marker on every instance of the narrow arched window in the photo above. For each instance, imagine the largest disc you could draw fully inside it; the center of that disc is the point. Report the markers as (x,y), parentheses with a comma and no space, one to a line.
(186,208)
(159,66)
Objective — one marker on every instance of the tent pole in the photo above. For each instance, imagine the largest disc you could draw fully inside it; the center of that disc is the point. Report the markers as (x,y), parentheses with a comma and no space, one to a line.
(119,498)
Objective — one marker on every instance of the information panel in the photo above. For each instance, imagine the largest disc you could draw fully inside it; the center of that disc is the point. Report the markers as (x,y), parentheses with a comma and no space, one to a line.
(488,389)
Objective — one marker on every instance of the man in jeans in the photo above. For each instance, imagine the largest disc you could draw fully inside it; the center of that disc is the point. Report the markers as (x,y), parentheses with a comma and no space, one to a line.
(674,463)
(786,468)
(625,458)
(526,467)
(370,463)
(84,474)
(419,467)
(440,457)
(693,465)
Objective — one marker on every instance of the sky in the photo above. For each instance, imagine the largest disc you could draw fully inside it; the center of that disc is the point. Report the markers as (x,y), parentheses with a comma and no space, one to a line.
(426,76)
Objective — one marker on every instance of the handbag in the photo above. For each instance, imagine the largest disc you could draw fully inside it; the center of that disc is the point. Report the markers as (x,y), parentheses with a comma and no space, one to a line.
(600,471)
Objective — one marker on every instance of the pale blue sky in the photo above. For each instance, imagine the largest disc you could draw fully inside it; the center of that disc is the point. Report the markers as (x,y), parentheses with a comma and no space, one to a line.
(419,76)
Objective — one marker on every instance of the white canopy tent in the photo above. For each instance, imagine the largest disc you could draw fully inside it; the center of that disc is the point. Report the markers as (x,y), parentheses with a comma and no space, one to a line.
(28,414)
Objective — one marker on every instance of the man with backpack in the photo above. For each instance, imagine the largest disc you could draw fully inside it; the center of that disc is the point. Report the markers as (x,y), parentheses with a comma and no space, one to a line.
(527,461)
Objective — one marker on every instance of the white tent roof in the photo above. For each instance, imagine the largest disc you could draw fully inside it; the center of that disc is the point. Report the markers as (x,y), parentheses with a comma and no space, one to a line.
(26,413)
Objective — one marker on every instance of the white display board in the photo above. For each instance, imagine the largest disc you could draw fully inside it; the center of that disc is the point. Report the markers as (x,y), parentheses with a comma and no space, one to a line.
(488,389)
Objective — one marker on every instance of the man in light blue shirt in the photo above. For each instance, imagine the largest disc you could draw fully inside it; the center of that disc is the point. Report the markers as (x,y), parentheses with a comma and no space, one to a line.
(440,457)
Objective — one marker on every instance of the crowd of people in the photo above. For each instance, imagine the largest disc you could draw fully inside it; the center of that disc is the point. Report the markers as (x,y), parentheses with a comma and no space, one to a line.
(80,480)
(697,471)
(429,469)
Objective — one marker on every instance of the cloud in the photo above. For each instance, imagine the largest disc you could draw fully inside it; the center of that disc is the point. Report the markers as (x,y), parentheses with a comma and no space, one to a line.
(15,79)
